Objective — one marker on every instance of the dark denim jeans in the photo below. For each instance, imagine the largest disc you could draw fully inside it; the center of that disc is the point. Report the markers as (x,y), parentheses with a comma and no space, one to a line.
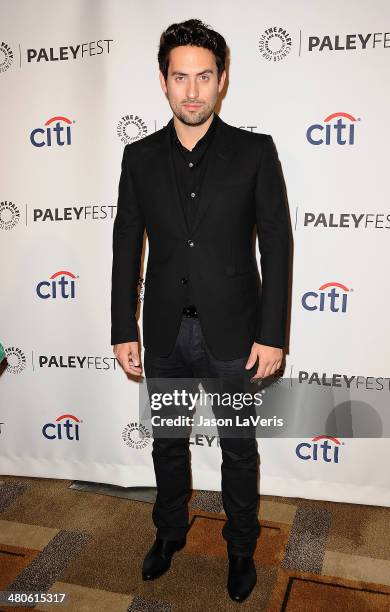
(191,358)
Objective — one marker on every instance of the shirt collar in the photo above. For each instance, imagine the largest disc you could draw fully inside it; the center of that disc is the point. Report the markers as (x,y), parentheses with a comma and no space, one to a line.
(202,141)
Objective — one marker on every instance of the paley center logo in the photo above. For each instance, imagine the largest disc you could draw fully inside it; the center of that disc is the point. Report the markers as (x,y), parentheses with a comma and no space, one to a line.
(131,128)
(336,128)
(65,427)
(61,284)
(330,297)
(9,215)
(136,435)
(275,44)
(320,448)
(56,131)
(16,359)
(6,56)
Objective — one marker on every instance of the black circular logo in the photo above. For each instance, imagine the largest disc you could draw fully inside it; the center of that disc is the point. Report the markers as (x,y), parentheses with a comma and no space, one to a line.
(275,44)
(16,360)
(6,56)
(9,215)
(131,128)
(136,435)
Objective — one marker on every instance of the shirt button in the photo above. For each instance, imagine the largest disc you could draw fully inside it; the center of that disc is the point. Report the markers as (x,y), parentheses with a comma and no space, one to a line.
(184,280)
(190,164)
(190,243)
(193,195)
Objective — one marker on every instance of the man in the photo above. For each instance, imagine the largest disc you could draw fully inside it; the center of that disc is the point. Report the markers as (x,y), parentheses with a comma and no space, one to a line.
(199,187)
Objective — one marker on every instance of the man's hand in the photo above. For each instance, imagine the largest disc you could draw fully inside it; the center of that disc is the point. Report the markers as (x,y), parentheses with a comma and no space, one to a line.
(127,353)
(270,359)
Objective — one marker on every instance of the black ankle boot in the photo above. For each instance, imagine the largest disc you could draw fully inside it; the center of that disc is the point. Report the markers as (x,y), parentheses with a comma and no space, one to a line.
(242,577)
(158,559)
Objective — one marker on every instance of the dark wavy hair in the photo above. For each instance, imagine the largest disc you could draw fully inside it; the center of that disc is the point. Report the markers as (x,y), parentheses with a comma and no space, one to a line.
(191,32)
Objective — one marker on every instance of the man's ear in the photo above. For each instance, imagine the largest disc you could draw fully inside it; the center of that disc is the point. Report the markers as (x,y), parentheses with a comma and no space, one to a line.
(221,81)
(162,81)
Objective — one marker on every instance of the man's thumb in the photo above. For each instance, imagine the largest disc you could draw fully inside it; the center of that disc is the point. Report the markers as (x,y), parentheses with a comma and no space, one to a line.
(251,361)
(134,354)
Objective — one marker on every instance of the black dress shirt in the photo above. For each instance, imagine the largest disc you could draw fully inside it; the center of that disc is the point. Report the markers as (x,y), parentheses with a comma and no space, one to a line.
(189,169)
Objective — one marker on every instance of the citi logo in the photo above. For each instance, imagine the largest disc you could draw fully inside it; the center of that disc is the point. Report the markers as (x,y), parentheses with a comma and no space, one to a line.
(329,297)
(61,284)
(65,427)
(327,451)
(56,131)
(336,128)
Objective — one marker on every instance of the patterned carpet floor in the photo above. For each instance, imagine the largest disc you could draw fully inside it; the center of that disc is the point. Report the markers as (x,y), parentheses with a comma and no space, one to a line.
(311,555)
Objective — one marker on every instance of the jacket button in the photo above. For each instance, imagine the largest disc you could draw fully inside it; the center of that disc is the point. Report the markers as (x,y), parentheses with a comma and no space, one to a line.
(184,280)
(190,243)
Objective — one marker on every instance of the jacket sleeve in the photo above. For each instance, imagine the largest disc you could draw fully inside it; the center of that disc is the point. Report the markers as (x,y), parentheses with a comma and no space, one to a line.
(127,241)
(273,231)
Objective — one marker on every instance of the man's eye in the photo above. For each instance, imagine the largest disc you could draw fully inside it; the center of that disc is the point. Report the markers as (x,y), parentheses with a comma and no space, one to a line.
(205,77)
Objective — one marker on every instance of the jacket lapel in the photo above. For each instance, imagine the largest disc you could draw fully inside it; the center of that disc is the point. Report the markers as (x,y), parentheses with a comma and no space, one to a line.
(219,155)
(167,180)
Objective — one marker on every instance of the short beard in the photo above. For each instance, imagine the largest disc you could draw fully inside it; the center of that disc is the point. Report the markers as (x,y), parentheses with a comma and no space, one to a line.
(194,119)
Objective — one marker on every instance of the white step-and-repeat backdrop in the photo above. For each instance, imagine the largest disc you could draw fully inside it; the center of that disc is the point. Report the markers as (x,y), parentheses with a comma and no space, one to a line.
(78,81)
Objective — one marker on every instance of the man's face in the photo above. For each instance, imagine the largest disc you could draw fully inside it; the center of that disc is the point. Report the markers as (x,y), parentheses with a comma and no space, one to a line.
(192,85)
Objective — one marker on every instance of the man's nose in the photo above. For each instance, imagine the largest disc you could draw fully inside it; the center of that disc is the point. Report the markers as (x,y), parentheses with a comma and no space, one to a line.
(192,89)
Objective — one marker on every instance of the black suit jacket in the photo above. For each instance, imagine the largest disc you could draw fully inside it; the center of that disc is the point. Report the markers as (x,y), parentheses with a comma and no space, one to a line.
(243,189)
